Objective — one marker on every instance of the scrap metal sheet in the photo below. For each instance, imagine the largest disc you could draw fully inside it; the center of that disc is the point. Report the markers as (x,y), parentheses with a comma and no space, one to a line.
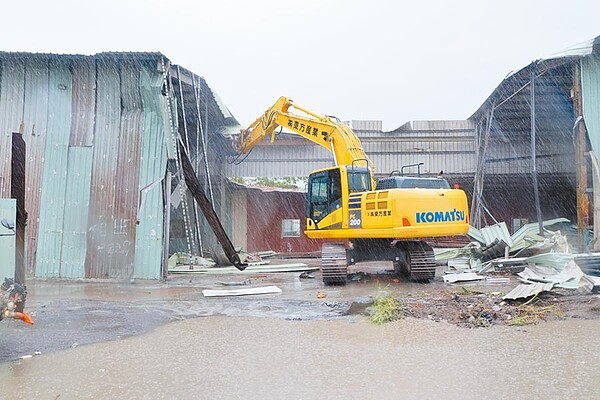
(462,277)
(241,292)
(527,290)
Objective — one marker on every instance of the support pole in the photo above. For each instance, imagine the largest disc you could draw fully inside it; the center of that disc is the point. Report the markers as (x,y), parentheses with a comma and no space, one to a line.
(579,139)
(18,192)
(536,190)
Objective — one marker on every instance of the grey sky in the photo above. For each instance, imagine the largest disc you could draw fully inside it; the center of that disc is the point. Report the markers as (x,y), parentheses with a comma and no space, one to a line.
(389,60)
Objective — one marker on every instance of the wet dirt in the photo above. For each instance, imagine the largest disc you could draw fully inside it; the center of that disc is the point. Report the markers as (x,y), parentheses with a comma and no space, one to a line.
(296,343)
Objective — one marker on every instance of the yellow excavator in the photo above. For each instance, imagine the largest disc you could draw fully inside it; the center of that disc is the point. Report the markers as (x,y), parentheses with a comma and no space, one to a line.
(360,218)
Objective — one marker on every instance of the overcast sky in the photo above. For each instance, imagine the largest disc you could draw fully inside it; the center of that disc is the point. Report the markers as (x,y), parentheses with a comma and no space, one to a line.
(388,60)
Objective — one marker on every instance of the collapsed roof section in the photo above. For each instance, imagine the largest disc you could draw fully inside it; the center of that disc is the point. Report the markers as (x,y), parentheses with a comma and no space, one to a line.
(539,122)
(553,75)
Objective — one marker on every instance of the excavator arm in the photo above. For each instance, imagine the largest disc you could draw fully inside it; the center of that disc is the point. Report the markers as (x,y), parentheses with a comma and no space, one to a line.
(325,131)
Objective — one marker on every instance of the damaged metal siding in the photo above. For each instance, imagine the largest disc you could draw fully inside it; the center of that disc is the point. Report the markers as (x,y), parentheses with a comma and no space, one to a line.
(98,130)
(35,123)
(83,121)
(590,87)
(100,257)
(153,164)
(55,174)
(11,115)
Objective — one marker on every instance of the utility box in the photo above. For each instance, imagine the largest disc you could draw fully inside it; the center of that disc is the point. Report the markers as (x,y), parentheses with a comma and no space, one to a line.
(8,210)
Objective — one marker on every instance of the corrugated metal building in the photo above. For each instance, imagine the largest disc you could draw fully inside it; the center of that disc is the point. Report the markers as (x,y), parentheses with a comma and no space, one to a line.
(100,133)
(438,145)
(558,132)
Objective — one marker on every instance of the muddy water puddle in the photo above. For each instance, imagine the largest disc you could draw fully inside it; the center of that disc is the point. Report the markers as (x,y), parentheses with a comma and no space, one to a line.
(266,358)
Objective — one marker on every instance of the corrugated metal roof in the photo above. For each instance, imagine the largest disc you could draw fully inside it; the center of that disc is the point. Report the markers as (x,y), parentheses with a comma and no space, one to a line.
(497,231)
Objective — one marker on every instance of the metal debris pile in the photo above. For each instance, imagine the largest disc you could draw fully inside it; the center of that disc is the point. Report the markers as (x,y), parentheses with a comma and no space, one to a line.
(540,262)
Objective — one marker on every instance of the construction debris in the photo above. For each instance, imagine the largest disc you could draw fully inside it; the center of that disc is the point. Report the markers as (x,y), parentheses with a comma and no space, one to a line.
(527,290)
(241,292)
(462,277)
(542,262)
(252,269)
(179,259)
(589,263)
(242,283)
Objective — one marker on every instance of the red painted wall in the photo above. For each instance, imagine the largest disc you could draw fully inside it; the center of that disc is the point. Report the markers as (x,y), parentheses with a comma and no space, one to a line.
(266,211)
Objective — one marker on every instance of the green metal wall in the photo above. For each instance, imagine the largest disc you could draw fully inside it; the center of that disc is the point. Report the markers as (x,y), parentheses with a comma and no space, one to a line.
(590,87)
(100,131)
(54,194)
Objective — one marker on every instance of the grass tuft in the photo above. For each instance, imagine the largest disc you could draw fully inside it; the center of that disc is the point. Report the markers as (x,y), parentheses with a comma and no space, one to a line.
(386,308)
(530,314)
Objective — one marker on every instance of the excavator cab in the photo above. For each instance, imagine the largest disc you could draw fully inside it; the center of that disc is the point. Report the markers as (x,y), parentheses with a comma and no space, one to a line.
(329,190)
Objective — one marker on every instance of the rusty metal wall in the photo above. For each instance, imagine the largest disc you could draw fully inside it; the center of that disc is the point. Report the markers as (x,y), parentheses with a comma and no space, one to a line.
(11,113)
(266,211)
(35,124)
(83,119)
(99,130)
(100,256)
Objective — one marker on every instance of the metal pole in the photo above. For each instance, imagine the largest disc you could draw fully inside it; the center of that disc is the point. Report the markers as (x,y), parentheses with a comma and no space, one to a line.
(536,190)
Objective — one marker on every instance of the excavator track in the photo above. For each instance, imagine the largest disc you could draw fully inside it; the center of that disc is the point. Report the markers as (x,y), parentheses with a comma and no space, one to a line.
(421,261)
(334,264)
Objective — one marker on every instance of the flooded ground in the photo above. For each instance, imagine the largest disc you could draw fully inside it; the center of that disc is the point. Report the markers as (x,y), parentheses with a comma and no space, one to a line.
(271,358)
(148,340)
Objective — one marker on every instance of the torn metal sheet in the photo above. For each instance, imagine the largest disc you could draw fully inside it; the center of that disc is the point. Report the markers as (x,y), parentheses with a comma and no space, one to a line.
(252,269)
(592,283)
(527,290)
(502,263)
(241,292)
(497,231)
(242,283)
(589,263)
(475,233)
(557,261)
(537,273)
(459,264)
(462,277)
(529,233)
